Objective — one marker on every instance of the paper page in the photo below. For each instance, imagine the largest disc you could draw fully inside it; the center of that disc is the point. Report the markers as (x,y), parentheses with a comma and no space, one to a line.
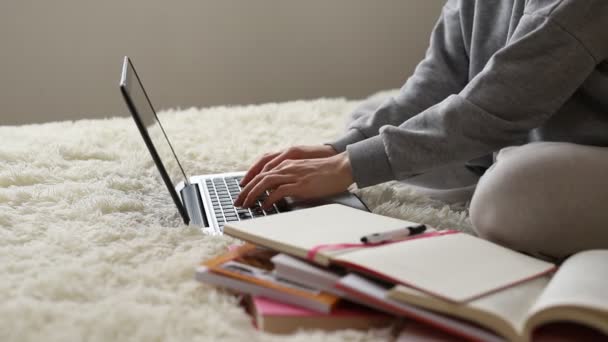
(456,267)
(581,282)
(302,230)
(299,271)
(375,295)
(505,310)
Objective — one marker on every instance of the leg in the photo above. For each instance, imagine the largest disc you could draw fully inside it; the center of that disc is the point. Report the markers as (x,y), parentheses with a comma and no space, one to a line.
(545,199)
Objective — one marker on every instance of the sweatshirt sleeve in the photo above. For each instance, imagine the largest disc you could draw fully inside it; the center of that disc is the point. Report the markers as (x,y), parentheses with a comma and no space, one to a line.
(443,71)
(548,57)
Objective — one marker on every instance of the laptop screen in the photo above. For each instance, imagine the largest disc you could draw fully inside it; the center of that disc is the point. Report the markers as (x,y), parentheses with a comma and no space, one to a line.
(152,131)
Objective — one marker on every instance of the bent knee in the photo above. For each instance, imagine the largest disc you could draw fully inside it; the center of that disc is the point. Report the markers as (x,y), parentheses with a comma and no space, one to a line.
(508,223)
(532,198)
(491,222)
(510,191)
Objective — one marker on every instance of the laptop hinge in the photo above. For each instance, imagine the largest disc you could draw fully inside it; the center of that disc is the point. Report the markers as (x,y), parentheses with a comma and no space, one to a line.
(191,197)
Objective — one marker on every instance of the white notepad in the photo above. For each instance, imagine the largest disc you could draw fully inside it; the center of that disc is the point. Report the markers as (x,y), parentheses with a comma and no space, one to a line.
(457,267)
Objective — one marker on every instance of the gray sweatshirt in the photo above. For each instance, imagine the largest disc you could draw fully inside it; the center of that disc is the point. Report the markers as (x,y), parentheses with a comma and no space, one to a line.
(497,73)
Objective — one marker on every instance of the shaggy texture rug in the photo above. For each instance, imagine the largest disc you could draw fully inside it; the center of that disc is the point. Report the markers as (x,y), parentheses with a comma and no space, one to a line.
(92,248)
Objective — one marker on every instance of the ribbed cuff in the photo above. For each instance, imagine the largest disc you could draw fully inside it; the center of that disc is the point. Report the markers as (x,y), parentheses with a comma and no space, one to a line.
(350,137)
(369,162)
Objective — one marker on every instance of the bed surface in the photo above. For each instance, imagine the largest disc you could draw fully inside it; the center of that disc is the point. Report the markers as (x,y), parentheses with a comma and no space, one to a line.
(92,248)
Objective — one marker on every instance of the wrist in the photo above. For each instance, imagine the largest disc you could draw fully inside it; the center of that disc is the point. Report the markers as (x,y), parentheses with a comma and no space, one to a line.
(344,167)
(329,151)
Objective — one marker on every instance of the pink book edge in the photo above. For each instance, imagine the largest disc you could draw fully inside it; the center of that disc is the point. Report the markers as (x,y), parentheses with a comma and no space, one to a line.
(269,307)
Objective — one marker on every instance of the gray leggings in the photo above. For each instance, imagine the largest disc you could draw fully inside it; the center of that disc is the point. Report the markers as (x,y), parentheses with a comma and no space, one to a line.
(548,199)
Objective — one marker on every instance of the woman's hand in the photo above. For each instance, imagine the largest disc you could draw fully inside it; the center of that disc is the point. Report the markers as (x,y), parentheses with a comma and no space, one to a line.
(270,160)
(300,179)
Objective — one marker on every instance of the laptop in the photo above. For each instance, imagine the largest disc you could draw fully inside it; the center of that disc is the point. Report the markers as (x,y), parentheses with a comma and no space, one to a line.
(206,201)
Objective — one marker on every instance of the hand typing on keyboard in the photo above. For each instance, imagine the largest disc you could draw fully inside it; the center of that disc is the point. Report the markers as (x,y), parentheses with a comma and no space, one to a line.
(299,178)
(223,191)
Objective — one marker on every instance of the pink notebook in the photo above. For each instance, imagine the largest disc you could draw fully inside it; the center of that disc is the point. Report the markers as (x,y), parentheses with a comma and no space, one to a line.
(276,317)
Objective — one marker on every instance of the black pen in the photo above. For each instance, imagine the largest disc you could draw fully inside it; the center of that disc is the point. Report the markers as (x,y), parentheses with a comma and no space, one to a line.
(394,234)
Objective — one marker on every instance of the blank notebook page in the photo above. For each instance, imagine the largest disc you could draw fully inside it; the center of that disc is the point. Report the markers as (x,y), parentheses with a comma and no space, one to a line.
(309,228)
(457,267)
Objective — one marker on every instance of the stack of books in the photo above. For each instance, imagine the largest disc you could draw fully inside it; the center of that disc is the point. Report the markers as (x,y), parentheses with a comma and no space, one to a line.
(309,269)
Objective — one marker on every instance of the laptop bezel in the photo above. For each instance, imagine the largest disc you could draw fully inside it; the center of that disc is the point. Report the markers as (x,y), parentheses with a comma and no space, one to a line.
(124,88)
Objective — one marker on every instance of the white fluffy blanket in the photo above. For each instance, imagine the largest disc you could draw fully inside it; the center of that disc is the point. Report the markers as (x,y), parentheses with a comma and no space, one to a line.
(91,246)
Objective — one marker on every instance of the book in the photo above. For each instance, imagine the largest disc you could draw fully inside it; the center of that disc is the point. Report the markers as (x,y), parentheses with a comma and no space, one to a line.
(337,282)
(456,267)
(297,270)
(374,294)
(577,293)
(413,331)
(302,272)
(280,318)
(248,269)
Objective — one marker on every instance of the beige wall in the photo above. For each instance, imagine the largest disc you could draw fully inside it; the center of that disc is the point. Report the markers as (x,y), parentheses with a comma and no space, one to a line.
(61,59)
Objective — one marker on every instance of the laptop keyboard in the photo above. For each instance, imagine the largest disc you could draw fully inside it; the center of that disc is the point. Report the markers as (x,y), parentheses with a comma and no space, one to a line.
(224,191)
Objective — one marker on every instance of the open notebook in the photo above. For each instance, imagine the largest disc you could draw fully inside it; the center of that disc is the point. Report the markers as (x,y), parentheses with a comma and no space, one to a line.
(576,293)
(456,267)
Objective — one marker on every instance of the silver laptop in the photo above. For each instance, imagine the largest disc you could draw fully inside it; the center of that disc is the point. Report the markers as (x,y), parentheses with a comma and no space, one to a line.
(206,201)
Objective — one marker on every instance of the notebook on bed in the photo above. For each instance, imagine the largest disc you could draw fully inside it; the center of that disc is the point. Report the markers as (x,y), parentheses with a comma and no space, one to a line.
(451,265)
